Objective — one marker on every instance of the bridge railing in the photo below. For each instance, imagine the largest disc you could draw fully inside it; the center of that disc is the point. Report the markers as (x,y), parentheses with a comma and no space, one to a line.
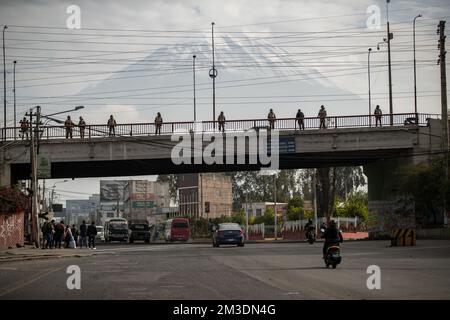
(145,129)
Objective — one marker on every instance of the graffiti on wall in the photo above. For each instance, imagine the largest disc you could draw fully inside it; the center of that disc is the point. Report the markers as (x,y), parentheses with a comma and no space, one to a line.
(11,230)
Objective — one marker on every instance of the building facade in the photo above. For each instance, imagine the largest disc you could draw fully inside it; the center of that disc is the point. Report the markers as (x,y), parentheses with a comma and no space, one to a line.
(206,195)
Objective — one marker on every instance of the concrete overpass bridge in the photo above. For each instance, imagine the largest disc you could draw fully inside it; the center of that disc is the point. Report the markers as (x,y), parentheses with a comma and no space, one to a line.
(136,150)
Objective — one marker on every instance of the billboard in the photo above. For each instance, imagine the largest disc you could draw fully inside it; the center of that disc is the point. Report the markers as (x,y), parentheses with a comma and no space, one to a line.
(112,190)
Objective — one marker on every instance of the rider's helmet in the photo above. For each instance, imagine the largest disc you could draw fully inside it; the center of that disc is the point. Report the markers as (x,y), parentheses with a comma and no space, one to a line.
(332,223)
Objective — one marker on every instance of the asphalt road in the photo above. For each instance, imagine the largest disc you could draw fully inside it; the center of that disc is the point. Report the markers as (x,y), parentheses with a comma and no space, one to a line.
(256,271)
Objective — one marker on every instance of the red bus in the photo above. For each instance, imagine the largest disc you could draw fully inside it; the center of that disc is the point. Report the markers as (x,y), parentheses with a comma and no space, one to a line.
(177,229)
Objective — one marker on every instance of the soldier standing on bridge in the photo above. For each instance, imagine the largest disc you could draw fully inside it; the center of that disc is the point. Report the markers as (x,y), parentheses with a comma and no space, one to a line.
(82,126)
(378,115)
(158,124)
(69,127)
(112,125)
(221,121)
(272,118)
(322,116)
(300,119)
(24,126)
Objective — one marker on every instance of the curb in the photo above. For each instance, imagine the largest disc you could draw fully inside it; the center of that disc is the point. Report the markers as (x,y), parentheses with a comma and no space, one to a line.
(15,258)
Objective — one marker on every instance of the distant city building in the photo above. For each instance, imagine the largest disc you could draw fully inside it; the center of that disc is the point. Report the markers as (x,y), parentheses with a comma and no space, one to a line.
(207,195)
(83,209)
(145,200)
(111,199)
(257,209)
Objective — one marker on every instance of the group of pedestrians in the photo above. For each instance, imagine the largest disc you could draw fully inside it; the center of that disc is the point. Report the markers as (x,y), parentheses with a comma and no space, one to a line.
(271,118)
(57,235)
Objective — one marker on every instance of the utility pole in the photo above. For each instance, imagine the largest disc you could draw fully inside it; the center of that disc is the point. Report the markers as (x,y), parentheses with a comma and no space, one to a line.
(441,62)
(275,204)
(389,37)
(14,90)
(213,75)
(415,85)
(34,180)
(4,83)
(368,72)
(315,197)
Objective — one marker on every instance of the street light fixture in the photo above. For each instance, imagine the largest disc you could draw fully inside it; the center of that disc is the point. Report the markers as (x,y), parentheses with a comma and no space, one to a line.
(415,86)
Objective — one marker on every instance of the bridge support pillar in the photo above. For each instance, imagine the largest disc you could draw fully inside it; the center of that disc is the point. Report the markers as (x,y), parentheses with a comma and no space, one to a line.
(388,209)
(5,174)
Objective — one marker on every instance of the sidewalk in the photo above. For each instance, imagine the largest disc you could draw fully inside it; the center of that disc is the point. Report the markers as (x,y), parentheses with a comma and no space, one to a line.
(31,253)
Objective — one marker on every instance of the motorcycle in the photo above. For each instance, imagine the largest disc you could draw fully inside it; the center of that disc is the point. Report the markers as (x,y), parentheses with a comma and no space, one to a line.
(311,236)
(333,256)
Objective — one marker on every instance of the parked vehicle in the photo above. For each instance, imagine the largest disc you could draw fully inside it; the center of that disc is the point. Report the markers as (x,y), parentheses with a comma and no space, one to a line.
(116,229)
(100,233)
(139,230)
(177,229)
(228,233)
(333,256)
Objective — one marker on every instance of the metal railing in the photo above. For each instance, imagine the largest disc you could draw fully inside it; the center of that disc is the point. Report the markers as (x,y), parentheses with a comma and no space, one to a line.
(146,129)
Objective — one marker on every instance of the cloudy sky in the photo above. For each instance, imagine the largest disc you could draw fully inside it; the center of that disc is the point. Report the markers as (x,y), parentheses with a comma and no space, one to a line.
(134,58)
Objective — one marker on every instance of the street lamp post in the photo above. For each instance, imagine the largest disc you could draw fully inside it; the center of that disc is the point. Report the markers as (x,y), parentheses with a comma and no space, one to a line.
(213,75)
(193,74)
(368,72)
(14,90)
(414,50)
(4,83)
(389,37)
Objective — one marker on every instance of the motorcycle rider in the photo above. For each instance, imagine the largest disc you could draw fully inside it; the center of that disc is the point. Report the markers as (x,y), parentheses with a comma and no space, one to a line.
(309,227)
(332,236)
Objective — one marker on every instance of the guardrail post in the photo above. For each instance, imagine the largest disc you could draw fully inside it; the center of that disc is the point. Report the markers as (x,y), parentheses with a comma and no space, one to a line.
(89,130)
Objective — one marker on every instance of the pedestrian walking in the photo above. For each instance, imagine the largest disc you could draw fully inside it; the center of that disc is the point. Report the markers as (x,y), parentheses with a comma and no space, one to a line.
(92,232)
(322,116)
(68,124)
(24,126)
(378,114)
(300,117)
(158,124)
(83,235)
(221,121)
(272,118)
(112,125)
(82,126)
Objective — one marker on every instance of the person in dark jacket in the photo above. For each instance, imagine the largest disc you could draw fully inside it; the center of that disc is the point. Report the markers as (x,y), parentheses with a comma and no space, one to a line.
(83,235)
(332,236)
(91,233)
(59,234)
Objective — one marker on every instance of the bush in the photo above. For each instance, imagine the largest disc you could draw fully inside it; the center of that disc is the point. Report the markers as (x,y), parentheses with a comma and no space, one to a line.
(12,200)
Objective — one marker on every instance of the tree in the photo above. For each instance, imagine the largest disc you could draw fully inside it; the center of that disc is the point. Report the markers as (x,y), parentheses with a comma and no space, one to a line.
(428,186)
(172,179)
(356,205)
(294,208)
